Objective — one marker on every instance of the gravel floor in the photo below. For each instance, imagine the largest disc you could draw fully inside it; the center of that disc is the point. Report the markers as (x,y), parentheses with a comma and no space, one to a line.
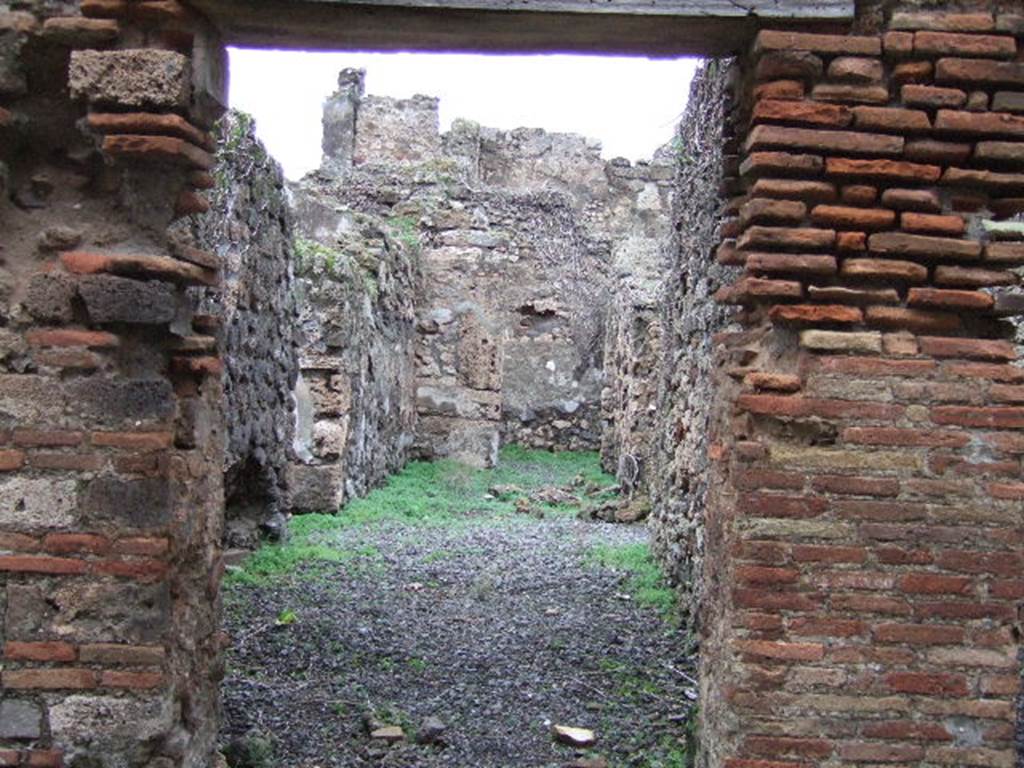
(499,627)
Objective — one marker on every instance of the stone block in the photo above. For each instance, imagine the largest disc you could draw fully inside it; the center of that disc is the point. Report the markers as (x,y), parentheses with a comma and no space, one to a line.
(30,503)
(110,402)
(49,296)
(137,503)
(20,720)
(110,299)
(147,79)
(315,488)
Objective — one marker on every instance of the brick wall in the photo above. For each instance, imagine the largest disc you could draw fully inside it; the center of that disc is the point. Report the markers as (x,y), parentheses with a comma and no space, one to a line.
(111,446)
(864,530)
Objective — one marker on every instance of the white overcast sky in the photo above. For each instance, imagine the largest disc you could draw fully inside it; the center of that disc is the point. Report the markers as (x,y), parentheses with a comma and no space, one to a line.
(630,104)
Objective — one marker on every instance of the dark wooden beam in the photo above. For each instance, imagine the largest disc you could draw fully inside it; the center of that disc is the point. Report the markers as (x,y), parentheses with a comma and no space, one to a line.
(629,27)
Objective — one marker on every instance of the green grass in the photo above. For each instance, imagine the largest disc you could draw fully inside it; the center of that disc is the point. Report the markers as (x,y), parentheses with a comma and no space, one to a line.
(646,582)
(423,493)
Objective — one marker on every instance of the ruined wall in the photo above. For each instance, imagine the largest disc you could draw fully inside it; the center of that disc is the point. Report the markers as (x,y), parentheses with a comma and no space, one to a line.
(249,228)
(523,235)
(862,539)
(356,395)
(110,437)
(674,445)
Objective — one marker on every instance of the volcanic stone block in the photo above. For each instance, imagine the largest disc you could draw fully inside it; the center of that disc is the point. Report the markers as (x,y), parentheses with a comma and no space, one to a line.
(150,79)
(136,503)
(110,299)
(49,297)
(111,402)
(20,720)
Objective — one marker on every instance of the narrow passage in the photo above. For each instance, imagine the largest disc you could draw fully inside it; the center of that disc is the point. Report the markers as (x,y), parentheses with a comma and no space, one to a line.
(472,609)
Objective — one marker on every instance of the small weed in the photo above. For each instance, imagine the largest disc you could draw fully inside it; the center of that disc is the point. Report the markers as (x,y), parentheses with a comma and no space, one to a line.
(646,582)
(423,493)
(417,665)
(285,618)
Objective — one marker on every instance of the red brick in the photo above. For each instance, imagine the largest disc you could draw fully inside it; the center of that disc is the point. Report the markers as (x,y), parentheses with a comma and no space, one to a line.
(11,459)
(935,584)
(954,44)
(971,349)
(777,382)
(912,71)
(933,151)
(787,745)
(763,210)
(803,627)
(781,163)
(157,149)
(876,366)
(979,124)
(78,462)
(991,418)
(974,609)
(104,8)
(39,651)
(138,441)
(924,684)
(850,94)
(18,542)
(844,217)
(131,680)
(892,511)
(900,556)
(777,40)
(906,730)
(1008,589)
(40,564)
(854,69)
(861,752)
(885,170)
(1000,685)
(856,486)
(920,634)
(780,89)
(949,299)
(820,553)
(190,202)
(889,606)
(141,569)
(847,142)
(904,437)
(898,44)
(871,581)
(46,438)
(769,600)
(815,314)
(916,320)
(793,189)
(777,505)
(756,574)
(750,290)
(142,546)
(892,119)
(952,70)
(135,265)
(12,757)
(76,542)
(737,762)
(972,277)
(932,96)
(859,194)
(1004,254)
(1009,491)
(972,561)
(146,123)
(767,649)
(801,239)
(71,337)
(58,678)
(791,264)
(802,112)
(950,226)
(792,405)
(924,247)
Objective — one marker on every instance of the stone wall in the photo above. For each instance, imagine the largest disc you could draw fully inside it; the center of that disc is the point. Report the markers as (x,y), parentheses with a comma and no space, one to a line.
(249,228)
(356,394)
(111,443)
(523,236)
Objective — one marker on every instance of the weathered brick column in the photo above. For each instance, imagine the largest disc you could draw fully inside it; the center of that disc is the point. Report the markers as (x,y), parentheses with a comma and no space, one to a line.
(865,538)
(110,445)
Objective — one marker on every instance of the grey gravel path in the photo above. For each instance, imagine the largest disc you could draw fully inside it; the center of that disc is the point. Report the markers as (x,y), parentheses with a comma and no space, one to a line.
(499,627)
